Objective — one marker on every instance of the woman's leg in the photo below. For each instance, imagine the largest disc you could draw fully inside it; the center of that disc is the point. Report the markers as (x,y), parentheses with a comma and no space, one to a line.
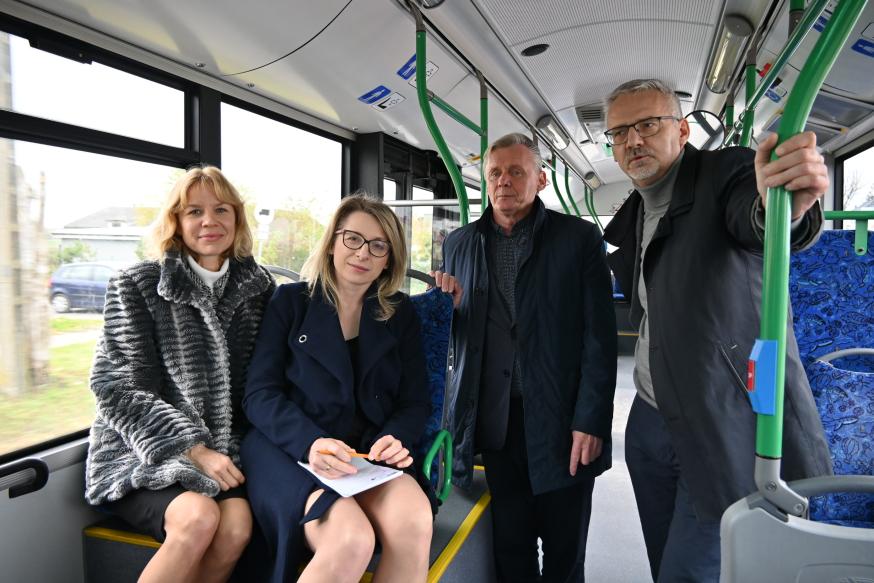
(342,542)
(401,516)
(230,539)
(190,522)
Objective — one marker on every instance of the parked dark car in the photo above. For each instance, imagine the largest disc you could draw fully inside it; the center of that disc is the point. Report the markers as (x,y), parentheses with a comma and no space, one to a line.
(81,285)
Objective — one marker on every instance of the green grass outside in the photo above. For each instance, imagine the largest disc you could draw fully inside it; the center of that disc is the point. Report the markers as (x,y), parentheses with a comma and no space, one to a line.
(61,406)
(63,324)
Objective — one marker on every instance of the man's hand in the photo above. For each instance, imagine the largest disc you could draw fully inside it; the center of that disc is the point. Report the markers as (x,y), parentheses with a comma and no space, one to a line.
(449,284)
(217,466)
(800,169)
(584,450)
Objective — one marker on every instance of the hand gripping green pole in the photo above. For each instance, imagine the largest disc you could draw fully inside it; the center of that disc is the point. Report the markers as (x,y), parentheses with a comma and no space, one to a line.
(775,290)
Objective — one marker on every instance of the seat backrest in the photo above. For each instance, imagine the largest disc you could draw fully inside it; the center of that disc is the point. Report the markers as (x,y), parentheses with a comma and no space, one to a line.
(434,308)
(845,400)
(832,294)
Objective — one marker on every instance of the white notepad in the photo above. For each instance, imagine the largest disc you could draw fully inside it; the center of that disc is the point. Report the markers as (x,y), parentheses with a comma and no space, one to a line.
(369,476)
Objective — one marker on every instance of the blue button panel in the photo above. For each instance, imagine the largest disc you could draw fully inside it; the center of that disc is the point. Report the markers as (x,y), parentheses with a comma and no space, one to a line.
(763,371)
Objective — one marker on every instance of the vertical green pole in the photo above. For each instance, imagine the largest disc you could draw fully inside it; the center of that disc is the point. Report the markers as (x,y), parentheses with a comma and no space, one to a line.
(796,12)
(555,186)
(425,105)
(567,190)
(749,114)
(483,138)
(590,204)
(775,289)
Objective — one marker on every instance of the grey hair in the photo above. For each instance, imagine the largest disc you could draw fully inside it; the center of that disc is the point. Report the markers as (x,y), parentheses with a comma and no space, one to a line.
(639,85)
(514,139)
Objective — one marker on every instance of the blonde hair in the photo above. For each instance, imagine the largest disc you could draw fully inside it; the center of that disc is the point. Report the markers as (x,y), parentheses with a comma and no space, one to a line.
(165,235)
(318,270)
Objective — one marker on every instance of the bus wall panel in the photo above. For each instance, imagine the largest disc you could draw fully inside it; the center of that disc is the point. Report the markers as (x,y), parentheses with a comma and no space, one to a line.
(45,546)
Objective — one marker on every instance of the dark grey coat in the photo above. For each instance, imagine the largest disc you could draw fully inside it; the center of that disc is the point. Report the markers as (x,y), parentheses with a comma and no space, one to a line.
(169,373)
(566,342)
(703,272)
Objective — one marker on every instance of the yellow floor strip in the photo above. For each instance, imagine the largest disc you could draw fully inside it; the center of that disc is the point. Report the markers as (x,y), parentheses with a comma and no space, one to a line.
(621,333)
(122,537)
(442,563)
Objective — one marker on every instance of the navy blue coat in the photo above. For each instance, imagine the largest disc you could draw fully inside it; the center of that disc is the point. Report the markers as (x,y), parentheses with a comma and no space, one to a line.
(302,386)
(566,339)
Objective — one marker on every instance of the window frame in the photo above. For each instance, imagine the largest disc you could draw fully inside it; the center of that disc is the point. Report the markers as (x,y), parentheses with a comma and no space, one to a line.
(202,138)
(838,194)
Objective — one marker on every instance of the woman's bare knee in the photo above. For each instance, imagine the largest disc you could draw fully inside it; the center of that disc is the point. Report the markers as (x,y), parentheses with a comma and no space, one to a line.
(232,537)
(192,519)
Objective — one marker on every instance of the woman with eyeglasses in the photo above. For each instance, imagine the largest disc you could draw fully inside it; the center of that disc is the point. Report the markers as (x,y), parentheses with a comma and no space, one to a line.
(339,367)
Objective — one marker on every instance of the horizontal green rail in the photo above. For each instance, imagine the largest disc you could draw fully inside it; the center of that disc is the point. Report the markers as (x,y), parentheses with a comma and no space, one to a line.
(849,215)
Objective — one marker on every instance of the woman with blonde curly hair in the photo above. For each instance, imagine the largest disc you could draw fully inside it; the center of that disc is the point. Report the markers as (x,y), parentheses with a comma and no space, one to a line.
(339,367)
(168,377)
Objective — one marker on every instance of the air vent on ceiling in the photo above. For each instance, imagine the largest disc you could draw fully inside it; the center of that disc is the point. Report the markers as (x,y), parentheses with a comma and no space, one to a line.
(591,117)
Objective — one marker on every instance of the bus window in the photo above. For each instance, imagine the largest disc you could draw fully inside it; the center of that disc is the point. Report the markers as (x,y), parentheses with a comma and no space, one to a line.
(94,95)
(290,178)
(71,219)
(389,189)
(859,181)
(421,237)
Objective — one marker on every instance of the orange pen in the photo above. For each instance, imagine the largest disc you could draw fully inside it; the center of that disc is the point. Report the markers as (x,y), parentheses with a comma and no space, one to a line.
(352,453)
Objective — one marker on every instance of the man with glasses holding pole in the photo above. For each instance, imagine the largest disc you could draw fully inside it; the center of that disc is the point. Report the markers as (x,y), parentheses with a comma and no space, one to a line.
(689,257)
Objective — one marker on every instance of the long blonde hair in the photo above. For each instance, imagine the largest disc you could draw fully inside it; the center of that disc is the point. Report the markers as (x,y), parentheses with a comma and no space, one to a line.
(165,235)
(318,270)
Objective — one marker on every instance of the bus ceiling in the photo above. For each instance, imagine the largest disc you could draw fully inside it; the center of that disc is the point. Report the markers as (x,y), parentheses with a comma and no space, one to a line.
(557,62)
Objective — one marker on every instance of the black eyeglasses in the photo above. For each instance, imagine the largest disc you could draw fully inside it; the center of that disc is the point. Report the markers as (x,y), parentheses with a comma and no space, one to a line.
(644,128)
(353,240)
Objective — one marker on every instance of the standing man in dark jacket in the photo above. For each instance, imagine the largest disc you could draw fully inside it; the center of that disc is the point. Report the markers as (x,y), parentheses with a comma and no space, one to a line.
(690,258)
(534,345)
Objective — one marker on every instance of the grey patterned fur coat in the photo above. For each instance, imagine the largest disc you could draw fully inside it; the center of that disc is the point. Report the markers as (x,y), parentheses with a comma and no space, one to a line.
(169,373)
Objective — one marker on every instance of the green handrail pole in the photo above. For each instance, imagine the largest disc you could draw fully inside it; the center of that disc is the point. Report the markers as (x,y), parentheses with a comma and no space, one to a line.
(861,218)
(555,186)
(590,205)
(425,106)
(775,290)
(567,190)
(796,12)
(453,113)
(750,114)
(810,15)
(729,110)
(483,139)
(849,215)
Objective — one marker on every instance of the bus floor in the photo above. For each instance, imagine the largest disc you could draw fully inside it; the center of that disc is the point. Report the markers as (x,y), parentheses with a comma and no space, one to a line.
(615,552)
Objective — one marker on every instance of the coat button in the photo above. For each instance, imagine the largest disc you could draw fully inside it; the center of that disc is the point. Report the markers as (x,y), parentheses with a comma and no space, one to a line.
(302,339)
